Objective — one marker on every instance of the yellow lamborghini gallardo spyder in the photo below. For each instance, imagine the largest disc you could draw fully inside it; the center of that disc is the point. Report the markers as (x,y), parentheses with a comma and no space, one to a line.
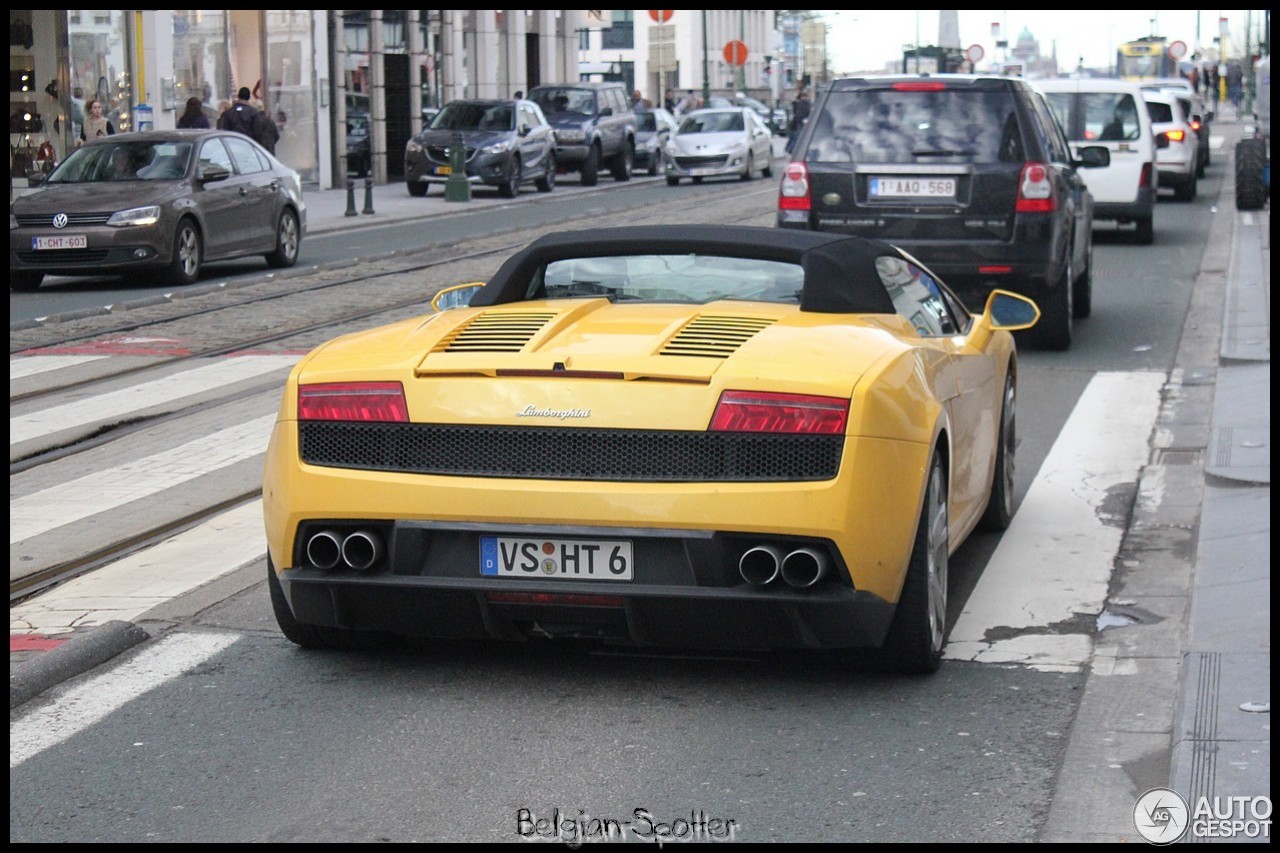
(694,437)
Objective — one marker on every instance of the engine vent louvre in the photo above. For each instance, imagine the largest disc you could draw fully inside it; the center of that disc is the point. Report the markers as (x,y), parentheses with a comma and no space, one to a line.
(715,336)
(496,331)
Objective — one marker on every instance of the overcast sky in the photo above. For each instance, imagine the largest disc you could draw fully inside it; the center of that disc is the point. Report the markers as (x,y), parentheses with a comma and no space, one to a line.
(863,40)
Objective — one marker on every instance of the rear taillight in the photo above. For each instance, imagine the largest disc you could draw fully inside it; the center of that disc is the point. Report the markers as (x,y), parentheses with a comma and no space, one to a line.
(1195,125)
(1145,176)
(793,194)
(760,411)
(1176,135)
(352,401)
(1035,190)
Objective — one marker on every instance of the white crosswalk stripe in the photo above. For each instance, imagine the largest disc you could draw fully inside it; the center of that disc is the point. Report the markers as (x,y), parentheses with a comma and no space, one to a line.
(20,368)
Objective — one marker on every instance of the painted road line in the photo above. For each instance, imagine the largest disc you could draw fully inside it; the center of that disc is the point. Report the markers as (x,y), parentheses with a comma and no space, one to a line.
(115,405)
(73,708)
(127,588)
(20,368)
(109,488)
(1054,563)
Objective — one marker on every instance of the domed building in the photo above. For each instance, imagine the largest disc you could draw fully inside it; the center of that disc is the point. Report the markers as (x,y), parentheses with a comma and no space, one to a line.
(1026,53)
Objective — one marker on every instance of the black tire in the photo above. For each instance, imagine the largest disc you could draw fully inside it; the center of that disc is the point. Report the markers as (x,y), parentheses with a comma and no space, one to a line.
(317,636)
(768,169)
(547,182)
(919,627)
(673,182)
(25,282)
(1201,162)
(1185,191)
(1083,296)
(751,168)
(1145,234)
(510,187)
(1057,312)
(696,180)
(623,162)
(1251,158)
(591,167)
(418,189)
(288,241)
(188,254)
(653,165)
(999,511)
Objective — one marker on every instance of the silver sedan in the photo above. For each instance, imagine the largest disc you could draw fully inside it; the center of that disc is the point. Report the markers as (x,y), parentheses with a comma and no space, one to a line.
(711,143)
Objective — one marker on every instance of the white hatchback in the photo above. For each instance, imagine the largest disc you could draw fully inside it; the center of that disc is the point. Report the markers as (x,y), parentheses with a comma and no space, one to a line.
(1178,162)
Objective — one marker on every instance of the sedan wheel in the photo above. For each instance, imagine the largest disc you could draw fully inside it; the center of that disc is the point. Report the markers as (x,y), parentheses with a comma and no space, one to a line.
(999,510)
(25,282)
(184,268)
(511,186)
(288,239)
(547,182)
(919,624)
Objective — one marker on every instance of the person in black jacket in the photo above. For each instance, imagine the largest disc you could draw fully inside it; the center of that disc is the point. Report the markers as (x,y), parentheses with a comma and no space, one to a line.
(243,118)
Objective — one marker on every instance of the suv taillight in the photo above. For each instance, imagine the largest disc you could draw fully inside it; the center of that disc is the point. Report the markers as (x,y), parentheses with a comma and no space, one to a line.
(1035,190)
(793,194)
(1146,175)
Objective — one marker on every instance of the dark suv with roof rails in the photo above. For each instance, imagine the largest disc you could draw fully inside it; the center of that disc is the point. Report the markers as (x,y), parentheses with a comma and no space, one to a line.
(971,174)
(595,128)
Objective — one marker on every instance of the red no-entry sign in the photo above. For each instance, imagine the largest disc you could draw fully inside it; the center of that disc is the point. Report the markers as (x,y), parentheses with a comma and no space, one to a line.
(661,16)
(735,53)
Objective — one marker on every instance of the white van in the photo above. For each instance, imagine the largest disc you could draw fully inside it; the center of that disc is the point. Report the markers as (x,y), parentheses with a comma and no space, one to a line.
(1111,113)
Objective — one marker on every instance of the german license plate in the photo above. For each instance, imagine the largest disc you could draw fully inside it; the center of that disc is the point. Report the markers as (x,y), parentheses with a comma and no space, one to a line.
(62,241)
(444,170)
(912,188)
(567,559)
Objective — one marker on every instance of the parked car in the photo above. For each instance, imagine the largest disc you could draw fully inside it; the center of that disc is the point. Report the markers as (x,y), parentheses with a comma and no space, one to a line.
(712,143)
(1111,113)
(776,119)
(1177,163)
(594,127)
(622,438)
(162,202)
(969,173)
(653,128)
(507,143)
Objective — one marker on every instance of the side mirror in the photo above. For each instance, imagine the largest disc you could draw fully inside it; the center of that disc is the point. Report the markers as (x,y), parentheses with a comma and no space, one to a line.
(213,172)
(457,296)
(1094,156)
(35,179)
(1010,311)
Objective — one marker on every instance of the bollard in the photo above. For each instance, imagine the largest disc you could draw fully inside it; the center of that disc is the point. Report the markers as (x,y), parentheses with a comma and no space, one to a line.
(456,187)
(368,195)
(351,198)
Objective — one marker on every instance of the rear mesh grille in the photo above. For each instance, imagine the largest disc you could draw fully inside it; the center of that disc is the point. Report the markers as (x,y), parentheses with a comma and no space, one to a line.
(715,336)
(555,453)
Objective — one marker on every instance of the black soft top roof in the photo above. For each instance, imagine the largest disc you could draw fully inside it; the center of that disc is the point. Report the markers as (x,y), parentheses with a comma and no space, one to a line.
(840,275)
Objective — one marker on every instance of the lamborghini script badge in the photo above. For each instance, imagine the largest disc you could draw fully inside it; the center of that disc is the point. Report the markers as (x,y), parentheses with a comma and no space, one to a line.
(532,411)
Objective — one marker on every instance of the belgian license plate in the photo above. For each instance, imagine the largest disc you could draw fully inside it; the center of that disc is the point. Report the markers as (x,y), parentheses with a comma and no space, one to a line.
(62,241)
(700,173)
(567,559)
(913,188)
(444,170)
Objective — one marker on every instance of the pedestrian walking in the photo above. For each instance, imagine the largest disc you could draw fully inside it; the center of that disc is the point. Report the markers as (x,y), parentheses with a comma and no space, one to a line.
(95,123)
(193,115)
(268,131)
(799,115)
(243,117)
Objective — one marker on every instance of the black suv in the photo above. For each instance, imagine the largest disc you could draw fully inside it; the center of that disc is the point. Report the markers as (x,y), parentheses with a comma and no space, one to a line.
(594,125)
(969,173)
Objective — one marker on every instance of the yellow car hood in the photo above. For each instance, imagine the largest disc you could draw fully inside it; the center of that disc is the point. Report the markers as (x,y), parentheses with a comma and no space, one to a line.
(594,363)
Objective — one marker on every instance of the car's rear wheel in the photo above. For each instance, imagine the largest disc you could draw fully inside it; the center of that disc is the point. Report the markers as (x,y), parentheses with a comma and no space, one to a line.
(591,167)
(653,164)
(1186,191)
(547,182)
(317,636)
(1056,314)
(1146,233)
(511,186)
(623,162)
(288,241)
(188,249)
(418,189)
(768,169)
(999,511)
(919,625)
(25,282)
(750,171)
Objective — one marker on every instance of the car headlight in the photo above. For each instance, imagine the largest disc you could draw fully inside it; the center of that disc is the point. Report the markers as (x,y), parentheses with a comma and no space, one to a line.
(570,135)
(148,215)
(497,148)
(412,146)
(13,221)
